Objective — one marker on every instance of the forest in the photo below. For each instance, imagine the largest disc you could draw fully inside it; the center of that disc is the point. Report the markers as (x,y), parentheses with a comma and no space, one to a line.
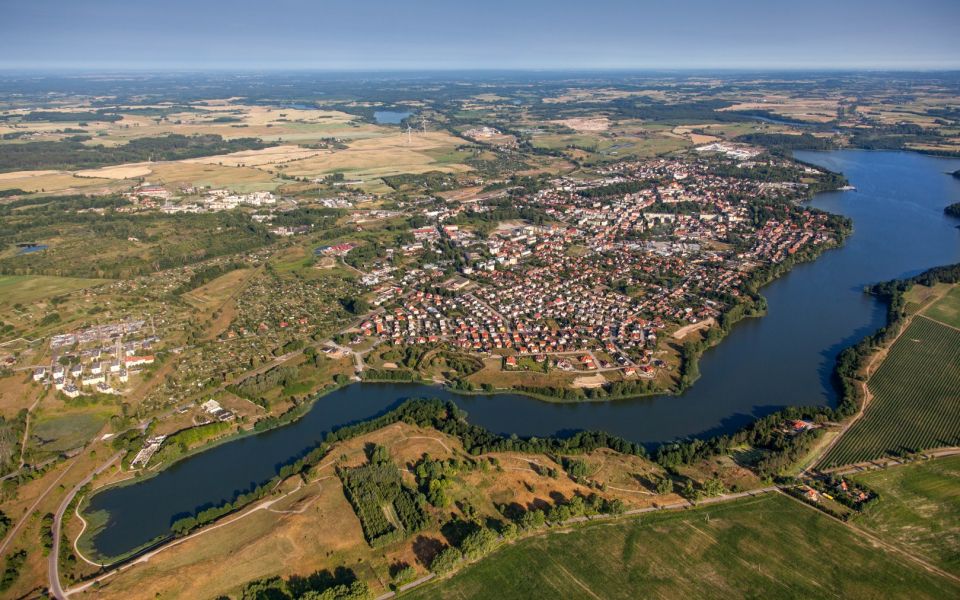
(74,155)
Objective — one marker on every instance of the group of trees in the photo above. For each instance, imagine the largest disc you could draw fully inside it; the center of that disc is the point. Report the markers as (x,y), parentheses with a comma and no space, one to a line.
(205,275)
(482,540)
(377,486)
(254,387)
(342,584)
(166,241)
(11,432)
(447,418)
(72,154)
(15,562)
(434,477)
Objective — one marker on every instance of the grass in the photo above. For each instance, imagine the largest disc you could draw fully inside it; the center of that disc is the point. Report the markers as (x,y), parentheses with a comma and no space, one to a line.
(734,550)
(916,403)
(21,289)
(54,434)
(919,509)
(947,309)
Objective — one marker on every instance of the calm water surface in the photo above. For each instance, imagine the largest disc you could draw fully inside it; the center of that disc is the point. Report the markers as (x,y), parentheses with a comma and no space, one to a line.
(390,117)
(784,358)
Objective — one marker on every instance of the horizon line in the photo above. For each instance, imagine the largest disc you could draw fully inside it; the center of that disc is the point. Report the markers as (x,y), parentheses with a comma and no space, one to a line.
(473,69)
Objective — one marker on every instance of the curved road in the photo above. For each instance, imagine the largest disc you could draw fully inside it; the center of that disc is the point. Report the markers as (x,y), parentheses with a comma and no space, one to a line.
(53,562)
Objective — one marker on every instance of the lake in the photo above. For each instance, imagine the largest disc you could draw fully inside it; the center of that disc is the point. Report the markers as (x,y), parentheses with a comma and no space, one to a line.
(390,117)
(785,358)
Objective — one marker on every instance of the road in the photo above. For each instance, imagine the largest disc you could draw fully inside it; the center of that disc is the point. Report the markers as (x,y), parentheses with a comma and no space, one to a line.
(53,562)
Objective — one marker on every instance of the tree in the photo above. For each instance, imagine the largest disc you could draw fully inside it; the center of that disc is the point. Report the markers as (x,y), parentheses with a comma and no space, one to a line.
(665,485)
(446,560)
(479,543)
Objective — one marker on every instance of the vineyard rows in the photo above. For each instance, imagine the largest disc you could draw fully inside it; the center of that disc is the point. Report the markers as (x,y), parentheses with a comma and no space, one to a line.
(916,399)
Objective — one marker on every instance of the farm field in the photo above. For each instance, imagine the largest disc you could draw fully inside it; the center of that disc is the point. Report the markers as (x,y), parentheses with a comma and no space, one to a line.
(919,509)
(769,543)
(370,159)
(916,403)
(946,309)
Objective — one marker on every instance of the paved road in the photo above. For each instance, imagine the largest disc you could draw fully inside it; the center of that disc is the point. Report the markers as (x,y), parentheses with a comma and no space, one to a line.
(53,563)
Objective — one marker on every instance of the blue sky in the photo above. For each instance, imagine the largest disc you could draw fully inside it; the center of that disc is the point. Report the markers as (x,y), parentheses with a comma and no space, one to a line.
(482,34)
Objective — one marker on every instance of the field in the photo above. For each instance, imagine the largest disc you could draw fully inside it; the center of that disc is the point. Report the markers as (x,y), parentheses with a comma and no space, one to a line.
(54,433)
(370,159)
(20,289)
(947,309)
(916,403)
(313,526)
(769,543)
(919,509)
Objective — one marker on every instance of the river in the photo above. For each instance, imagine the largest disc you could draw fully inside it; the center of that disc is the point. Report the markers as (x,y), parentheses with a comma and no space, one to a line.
(785,358)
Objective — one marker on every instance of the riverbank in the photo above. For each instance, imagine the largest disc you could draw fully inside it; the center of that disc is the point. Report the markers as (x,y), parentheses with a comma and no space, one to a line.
(785,359)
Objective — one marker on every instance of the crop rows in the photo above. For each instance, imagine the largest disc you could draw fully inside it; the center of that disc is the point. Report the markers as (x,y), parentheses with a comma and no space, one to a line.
(916,398)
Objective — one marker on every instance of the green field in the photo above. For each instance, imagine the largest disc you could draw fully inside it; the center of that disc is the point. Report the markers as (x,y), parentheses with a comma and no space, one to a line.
(947,309)
(20,289)
(916,398)
(52,435)
(919,509)
(765,547)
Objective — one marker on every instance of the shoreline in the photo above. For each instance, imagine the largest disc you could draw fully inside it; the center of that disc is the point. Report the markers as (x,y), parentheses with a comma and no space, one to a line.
(775,273)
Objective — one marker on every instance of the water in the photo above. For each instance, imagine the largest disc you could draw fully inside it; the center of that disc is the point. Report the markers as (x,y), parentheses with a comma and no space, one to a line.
(785,358)
(390,117)
(32,249)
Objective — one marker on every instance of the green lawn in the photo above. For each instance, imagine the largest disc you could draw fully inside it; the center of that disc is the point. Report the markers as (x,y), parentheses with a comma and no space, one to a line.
(919,509)
(765,547)
(947,309)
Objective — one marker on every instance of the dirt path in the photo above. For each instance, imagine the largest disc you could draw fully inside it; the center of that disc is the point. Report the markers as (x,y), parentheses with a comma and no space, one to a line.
(26,428)
(688,329)
(29,511)
(76,550)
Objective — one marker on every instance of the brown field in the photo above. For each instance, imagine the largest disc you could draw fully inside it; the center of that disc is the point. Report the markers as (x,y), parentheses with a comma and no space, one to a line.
(53,181)
(304,528)
(586,123)
(387,155)
(258,158)
(129,171)
(239,179)
(802,109)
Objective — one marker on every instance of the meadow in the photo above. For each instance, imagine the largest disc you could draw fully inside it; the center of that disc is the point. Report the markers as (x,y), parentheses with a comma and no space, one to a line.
(916,397)
(947,309)
(731,550)
(919,509)
(20,289)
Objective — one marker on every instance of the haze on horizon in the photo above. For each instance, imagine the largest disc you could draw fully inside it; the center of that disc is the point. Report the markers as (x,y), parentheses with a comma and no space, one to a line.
(494,34)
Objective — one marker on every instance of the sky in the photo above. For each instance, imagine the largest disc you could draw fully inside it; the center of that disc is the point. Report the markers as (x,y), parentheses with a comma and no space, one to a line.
(479,34)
